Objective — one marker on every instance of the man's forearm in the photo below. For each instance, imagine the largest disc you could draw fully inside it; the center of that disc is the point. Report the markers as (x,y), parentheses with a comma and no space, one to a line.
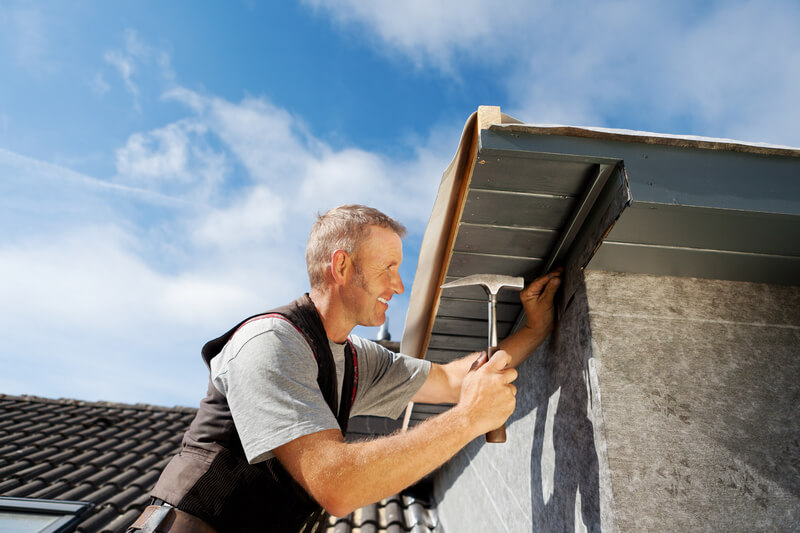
(521,344)
(345,476)
(369,471)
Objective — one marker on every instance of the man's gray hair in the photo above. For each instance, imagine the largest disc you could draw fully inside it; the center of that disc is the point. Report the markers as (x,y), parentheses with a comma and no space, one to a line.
(342,228)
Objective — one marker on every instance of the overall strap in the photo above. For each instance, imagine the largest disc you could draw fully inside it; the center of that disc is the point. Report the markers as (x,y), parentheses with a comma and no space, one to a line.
(303,316)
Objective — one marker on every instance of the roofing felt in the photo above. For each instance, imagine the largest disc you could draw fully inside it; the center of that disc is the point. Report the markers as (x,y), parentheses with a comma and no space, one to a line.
(111,455)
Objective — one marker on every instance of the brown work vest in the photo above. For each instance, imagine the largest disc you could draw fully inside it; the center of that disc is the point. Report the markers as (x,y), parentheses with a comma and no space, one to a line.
(211,478)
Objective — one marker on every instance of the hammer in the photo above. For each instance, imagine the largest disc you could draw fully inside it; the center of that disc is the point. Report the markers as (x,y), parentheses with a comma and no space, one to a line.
(492,283)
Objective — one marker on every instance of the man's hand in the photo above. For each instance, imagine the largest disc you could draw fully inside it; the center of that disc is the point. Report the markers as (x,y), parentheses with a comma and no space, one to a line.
(537,301)
(488,396)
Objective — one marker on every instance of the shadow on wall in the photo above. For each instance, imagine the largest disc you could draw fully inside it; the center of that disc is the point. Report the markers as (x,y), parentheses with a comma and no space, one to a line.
(551,456)
(564,473)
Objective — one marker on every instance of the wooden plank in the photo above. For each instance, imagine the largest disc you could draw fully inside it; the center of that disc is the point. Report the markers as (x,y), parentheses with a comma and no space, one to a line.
(477,310)
(696,263)
(521,242)
(468,327)
(465,264)
(502,208)
(529,172)
(475,292)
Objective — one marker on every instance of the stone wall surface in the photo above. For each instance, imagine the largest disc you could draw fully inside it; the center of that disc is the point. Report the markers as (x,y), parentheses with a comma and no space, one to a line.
(658,404)
(700,383)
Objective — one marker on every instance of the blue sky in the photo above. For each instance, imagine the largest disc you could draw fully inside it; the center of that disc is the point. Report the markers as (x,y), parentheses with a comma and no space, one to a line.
(161,163)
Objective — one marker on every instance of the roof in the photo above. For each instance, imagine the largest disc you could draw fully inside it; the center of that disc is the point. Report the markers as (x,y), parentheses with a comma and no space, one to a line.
(519,198)
(111,455)
(104,453)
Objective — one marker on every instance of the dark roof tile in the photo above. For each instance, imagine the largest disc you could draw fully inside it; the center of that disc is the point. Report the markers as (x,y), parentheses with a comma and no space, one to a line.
(144,447)
(80,473)
(26,488)
(33,438)
(101,477)
(69,442)
(126,460)
(50,490)
(84,457)
(52,455)
(5,438)
(145,462)
(99,495)
(104,459)
(47,441)
(124,478)
(55,473)
(147,480)
(15,426)
(77,492)
(8,484)
(128,433)
(166,448)
(121,500)
(13,468)
(33,471)
(124,446)
(101,516)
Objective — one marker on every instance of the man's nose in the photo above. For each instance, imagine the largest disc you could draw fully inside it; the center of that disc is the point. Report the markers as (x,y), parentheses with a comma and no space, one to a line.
(397,285)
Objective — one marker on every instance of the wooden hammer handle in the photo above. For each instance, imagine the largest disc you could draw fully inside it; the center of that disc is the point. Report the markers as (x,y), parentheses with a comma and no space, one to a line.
(496,435)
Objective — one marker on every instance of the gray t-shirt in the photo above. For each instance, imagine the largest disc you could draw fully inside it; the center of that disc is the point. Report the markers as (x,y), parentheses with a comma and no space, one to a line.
(268,374)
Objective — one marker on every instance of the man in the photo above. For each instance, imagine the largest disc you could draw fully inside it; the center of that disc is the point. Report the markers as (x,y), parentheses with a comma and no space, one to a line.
(266,450)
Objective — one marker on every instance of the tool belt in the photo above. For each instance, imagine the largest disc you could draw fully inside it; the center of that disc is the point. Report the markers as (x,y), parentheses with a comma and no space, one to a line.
(167,519)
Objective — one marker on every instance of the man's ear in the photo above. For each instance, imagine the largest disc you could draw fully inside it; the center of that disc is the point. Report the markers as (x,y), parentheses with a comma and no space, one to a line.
(340,265)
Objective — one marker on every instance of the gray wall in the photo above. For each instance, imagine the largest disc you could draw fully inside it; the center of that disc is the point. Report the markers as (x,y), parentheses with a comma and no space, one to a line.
(659,404)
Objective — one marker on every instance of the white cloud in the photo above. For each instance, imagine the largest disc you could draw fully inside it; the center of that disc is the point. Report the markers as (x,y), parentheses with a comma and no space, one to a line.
(437,32)
(257,218)
(726,69)
(738,71)
(126,68)
(302,173)
(170,158)
(132,57)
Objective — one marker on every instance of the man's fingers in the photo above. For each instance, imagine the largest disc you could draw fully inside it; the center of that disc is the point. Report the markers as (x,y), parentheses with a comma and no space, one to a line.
(500,360)
(510,375)
(538,286)
(535,287)
(550,291)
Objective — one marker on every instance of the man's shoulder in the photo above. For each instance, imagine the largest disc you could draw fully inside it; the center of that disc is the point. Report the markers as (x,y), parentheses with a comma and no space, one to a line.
(268,325)
(370,347)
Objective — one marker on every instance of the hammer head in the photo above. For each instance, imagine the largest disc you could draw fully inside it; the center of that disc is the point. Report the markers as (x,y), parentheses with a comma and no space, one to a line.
(491,282)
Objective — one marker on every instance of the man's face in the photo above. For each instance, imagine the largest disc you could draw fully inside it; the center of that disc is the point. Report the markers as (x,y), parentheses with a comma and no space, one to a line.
(376,277)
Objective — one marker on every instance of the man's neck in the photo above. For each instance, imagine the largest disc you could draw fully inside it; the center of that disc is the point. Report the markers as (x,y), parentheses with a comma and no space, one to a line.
(331,312)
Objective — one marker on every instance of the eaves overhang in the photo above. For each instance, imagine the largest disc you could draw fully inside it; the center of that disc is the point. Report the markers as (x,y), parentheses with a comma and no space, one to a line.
(518,199)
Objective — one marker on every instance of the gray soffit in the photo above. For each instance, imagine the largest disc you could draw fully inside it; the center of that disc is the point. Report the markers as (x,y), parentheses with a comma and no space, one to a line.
(703,208)
(518,199)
